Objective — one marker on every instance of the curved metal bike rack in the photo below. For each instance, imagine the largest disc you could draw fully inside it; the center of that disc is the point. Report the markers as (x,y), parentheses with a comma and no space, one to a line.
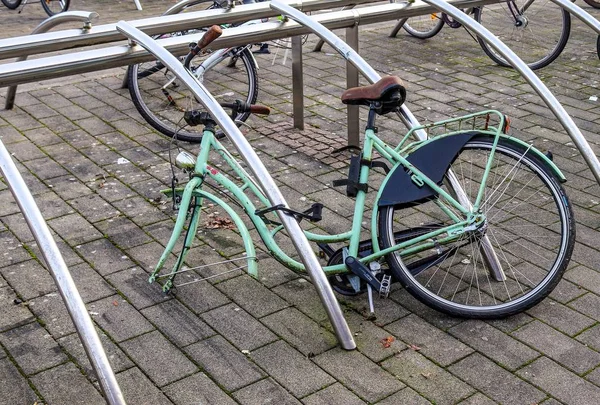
(262,176)
(66,286)
(47,24)
(534,81)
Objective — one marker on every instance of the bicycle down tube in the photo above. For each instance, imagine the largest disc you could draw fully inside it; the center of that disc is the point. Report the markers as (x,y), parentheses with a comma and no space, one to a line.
(265,180)
(404,113)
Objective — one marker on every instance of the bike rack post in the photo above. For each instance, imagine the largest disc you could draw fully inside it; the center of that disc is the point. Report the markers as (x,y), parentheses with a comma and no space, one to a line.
(47,24)
(297,83)
(261,174)
(66,286)
(520,66)
(353,119)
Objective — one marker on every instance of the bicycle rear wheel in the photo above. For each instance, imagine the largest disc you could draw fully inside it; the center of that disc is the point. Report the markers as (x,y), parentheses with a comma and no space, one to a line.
(162,102)
(12,4)
(424,26)
(529,223)
(537,35)
(52,7)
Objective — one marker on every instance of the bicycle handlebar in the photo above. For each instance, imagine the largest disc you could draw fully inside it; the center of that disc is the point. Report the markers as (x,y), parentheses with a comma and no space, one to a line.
(213,33)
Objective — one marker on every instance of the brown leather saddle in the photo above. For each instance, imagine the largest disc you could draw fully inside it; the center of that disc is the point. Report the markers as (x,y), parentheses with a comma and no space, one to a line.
(388,94)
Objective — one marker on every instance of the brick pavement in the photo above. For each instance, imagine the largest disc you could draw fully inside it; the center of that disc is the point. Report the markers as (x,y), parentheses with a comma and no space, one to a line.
(67,137)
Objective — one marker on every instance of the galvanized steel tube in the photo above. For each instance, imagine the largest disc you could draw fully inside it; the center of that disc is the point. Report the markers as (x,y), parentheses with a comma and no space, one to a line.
(261,174)
(66,286)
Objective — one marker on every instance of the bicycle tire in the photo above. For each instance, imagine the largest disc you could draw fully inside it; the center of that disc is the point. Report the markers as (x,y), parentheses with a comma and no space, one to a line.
(527,35)
(593,3)
(226,81)
(53,7)
(424,26)
(529,223)
(12,4)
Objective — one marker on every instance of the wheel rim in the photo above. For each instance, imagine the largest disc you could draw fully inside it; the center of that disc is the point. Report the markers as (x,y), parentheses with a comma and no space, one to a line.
(527,224)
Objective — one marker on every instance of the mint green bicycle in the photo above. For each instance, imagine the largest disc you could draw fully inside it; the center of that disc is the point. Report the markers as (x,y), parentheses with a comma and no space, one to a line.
(421,235)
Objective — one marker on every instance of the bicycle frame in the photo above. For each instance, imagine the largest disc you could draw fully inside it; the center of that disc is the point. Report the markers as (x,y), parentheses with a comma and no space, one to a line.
(193,194)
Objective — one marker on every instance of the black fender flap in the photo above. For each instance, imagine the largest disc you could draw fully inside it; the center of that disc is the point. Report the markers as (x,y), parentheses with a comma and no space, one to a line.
(433,160)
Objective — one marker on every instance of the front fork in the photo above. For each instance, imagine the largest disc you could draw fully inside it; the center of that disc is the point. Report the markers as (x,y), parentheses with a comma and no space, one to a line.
(186,201)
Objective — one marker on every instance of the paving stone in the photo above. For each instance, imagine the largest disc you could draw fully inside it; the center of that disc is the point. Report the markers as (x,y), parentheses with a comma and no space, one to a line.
(14,313)
(66,385)
(291,369)
(32,348)
(118,318)
(335,393)
(14,387)
(558,347)
(561,317)
(74,229)
(133,283)
(158,358)
(300,331)
(560,383)
(405,396)
(13,251)
(359,374)
(264,392)
(431,381)
(178,323)
(588,304)
(201,297)
(122,232)
(252,296)
(50,309)
(224,363)
(138,389)
(303,296)
(243,331)
(478,399)
(73,345)
(29,279)
(505,350)
(372,341)
(435,318)
(433,343)
(104,257)
(494,381)
(197,389)
(590,337)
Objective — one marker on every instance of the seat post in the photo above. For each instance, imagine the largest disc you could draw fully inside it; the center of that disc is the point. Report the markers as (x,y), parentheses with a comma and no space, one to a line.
(372,115)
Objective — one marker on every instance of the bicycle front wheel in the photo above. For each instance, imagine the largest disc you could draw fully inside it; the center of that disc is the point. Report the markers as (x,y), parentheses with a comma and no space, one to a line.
(537,34)
(12,4)
(424,26)
(528,222)
(52,7)
(160,99)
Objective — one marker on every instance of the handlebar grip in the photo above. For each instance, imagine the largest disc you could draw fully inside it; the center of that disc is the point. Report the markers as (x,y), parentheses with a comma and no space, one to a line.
(213,33)
(260,109)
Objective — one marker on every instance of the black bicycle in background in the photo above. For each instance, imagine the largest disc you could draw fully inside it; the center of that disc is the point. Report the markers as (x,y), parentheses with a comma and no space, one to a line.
(51,7)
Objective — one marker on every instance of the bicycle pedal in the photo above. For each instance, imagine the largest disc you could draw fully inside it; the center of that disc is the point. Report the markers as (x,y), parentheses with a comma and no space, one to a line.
(386,284)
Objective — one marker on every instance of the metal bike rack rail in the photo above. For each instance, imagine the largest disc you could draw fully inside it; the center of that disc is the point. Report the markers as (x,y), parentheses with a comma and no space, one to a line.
(106,33)
(534,81)
(69,16)
(262,176)
(66,286)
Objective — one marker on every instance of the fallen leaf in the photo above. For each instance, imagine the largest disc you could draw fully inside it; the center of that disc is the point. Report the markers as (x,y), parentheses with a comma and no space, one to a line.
(387,342)
(415,347)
